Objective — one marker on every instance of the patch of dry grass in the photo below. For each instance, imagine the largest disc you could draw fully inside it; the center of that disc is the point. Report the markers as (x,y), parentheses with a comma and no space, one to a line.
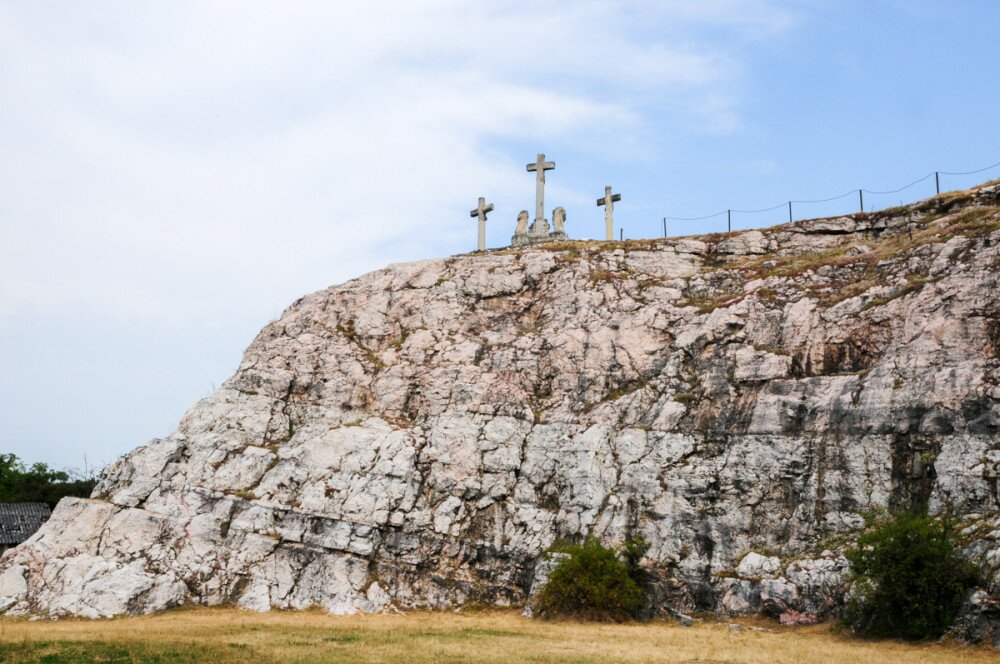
(607,276)
(708,303)
(971,222)
(576,248)
(231,635)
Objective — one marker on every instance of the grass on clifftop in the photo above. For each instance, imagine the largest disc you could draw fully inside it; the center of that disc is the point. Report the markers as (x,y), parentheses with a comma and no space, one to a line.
(971,222)
(232,635)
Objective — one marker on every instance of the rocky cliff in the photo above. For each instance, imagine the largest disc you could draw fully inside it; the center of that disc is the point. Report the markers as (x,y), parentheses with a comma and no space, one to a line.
(418,437)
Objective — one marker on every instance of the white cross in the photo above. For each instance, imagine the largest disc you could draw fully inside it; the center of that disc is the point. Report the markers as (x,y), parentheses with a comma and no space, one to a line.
(539,167)
(480,212)
(608,201)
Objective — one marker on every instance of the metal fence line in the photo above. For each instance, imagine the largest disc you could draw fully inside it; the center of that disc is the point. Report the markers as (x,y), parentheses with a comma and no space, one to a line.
(896,191)
(859,192)
(827,200)
(971,172)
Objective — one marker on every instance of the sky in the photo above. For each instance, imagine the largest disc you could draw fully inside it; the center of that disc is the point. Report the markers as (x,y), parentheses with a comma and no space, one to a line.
(174,173)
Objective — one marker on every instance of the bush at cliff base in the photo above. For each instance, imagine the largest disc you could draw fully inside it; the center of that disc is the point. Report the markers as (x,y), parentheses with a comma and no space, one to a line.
(909,578)
(592,583)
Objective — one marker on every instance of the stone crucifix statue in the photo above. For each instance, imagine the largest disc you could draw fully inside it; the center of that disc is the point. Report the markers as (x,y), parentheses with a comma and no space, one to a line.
(480,212)
(540,225)
(608,201)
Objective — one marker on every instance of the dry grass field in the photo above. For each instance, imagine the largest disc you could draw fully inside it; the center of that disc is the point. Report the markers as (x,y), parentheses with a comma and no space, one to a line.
(231,635)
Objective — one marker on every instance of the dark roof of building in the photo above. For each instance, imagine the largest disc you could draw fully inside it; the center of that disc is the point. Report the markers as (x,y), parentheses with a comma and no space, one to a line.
(19,521)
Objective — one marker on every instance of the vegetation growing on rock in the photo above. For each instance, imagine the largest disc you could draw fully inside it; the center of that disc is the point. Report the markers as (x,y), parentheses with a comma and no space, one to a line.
(593,583)
(909,578)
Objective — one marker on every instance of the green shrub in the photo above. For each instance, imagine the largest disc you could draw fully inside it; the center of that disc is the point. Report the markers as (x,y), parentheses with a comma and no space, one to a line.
(909,578)
(632,551)
(593,583)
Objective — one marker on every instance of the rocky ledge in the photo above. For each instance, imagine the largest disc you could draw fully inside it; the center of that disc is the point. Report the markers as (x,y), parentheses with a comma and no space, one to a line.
(419,436)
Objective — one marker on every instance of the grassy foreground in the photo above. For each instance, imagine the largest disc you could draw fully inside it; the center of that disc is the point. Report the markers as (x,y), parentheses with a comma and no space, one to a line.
(232,635)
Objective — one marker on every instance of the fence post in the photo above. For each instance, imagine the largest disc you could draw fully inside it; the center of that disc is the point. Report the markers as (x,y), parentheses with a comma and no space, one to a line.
(729,221)
(861,197)
(789,212)
(937,182)
(664,227)
(621,234)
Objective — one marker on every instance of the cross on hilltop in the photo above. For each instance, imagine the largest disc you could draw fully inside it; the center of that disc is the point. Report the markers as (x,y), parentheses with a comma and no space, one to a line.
(608,201)
(539,230)
(539,168)
(480,212)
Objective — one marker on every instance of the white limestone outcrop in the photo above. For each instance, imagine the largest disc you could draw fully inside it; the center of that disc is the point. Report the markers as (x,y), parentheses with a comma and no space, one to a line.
(420,435)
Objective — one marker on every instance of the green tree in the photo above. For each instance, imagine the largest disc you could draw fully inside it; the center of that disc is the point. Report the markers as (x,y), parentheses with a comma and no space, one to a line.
(909,578)
(38,483)
(593,583)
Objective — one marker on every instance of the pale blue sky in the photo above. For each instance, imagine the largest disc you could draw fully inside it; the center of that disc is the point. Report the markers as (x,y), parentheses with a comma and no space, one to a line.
(175,173)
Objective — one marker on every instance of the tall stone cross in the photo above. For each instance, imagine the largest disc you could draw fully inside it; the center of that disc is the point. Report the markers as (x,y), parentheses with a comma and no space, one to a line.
(608,201)
(480,212)
(539,168)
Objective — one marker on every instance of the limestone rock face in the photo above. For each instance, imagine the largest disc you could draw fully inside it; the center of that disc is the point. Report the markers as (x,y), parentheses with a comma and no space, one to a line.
(979,620)
(417,437)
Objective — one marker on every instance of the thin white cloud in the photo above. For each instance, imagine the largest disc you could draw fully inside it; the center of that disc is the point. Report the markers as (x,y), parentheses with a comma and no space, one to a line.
(183,160)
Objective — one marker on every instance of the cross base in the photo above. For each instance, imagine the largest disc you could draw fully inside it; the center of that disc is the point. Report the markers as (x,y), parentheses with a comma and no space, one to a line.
(539,228)
(528,239)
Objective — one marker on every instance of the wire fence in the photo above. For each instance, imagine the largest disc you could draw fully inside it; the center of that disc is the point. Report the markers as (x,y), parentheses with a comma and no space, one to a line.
(857,194)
